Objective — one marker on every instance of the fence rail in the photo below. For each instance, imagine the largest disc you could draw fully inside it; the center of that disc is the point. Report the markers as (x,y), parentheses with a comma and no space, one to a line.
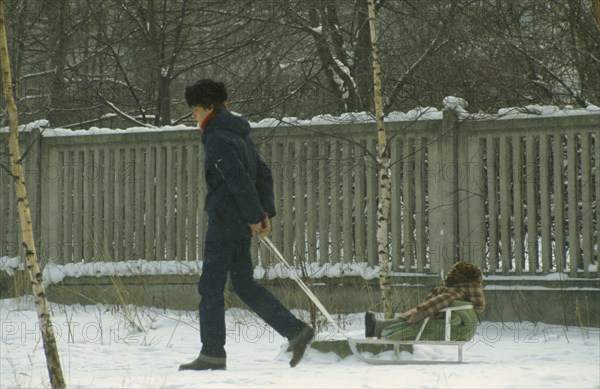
(515,196)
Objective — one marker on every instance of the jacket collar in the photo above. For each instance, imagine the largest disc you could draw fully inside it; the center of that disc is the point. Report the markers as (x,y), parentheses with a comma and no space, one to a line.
(207,119)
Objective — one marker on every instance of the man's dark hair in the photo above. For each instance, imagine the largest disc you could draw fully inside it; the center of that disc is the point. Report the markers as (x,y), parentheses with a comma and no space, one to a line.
(206,93)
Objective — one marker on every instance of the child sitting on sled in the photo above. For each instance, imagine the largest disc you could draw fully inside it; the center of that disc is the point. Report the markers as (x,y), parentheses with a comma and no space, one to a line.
(462,286)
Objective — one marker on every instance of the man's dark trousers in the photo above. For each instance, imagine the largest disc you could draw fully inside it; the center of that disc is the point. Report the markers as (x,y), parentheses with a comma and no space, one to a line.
(223,257)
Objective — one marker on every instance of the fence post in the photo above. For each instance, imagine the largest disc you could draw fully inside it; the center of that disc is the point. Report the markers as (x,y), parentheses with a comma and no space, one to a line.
(471,207)
(30,148)
(33,177)
(443,195)
(51,248)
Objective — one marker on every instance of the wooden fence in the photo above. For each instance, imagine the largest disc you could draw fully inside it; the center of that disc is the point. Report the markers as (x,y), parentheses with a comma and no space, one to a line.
(516,196)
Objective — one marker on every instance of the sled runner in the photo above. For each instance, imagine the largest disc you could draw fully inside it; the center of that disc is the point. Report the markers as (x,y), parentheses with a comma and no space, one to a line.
(354,343)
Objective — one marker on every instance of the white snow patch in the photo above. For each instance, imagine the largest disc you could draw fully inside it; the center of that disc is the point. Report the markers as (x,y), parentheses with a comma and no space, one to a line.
(55,273)
(54,132)
(453,102)
(537,287)
(419,113)
(100,348)
(10,265)
(547,277)
(592,108)
(531,111)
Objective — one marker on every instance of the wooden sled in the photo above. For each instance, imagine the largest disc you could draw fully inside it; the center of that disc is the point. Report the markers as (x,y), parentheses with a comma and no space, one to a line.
(397,344)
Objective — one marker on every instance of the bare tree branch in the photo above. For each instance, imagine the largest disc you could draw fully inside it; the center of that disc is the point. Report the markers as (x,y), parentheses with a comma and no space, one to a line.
(123,114)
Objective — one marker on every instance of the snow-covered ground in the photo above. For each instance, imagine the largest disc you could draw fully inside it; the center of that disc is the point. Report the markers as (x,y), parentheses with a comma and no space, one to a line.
(106,346)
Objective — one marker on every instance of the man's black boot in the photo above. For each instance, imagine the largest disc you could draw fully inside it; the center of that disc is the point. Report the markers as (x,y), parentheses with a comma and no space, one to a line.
(204,362)
(300,343)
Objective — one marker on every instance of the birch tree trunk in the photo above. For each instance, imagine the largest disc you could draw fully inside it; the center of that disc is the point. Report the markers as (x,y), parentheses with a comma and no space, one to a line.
(383,160)
(28,243)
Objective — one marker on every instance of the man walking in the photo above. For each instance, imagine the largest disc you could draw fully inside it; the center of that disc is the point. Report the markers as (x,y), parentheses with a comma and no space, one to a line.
(239,203)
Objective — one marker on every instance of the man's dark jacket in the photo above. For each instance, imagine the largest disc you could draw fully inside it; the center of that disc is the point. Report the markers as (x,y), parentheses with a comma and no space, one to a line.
(239,183)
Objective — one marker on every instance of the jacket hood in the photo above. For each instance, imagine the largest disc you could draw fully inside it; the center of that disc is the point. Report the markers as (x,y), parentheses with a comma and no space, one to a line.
(226,121)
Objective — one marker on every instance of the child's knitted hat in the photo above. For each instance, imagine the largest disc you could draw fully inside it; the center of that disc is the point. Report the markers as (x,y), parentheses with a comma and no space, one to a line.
(463,273)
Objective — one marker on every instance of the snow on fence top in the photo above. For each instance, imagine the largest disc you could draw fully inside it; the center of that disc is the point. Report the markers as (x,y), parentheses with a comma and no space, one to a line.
(420,113)
(56,273)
